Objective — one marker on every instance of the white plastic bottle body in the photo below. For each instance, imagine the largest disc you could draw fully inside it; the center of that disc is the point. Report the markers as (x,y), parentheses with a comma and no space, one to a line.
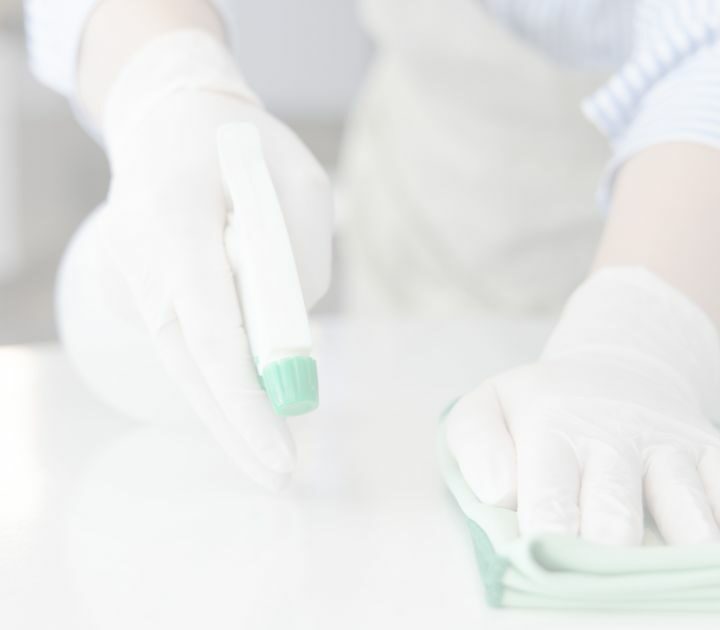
(260,252)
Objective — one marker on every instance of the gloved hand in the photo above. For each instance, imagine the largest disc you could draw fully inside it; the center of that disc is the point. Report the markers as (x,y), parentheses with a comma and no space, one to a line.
(619,405)
(164,228)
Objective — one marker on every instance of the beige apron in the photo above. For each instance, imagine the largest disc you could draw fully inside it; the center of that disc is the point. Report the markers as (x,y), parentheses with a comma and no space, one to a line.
(468,175)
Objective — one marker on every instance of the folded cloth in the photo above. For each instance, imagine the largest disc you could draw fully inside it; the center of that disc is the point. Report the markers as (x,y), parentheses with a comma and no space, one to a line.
(552,571)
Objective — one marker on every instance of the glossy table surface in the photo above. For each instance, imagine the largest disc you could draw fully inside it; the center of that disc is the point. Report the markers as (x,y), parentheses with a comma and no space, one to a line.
(108,524)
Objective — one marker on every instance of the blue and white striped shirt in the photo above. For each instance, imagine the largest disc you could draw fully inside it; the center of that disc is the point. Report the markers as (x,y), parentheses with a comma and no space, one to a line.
(665,55)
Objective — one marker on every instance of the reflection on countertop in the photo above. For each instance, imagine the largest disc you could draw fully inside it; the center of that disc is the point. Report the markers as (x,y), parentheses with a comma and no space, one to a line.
(108,524)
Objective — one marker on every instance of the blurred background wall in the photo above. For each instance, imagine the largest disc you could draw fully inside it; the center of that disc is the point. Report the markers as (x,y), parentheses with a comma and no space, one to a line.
(50,175)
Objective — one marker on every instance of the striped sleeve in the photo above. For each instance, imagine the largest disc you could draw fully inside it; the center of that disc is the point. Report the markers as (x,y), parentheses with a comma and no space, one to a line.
(669,88)
(54,29)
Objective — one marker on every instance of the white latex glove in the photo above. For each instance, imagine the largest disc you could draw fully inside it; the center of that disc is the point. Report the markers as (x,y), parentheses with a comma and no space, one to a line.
(165,222)
(619,405)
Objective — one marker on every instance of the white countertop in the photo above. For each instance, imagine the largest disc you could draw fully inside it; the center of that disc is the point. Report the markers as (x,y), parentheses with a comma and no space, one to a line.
(106,524)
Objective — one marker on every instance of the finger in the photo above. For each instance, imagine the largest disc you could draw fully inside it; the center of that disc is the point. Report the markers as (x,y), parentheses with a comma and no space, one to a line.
(548,484)
(182,367)
(611,510)
(709,468)
(676,498)
(209,314)
(479,440)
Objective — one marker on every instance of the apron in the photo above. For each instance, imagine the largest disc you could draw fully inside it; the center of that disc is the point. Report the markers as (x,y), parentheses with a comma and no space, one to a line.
(467,178)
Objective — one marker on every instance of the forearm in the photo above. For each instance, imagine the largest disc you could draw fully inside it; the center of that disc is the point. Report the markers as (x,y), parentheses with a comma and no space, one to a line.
(665,216)
(118,28)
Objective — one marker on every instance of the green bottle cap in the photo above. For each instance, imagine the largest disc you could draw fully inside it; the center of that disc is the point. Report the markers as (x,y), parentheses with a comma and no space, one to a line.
(291,385)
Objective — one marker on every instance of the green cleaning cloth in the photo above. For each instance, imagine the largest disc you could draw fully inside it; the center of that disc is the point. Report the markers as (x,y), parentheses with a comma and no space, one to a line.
(563,572)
